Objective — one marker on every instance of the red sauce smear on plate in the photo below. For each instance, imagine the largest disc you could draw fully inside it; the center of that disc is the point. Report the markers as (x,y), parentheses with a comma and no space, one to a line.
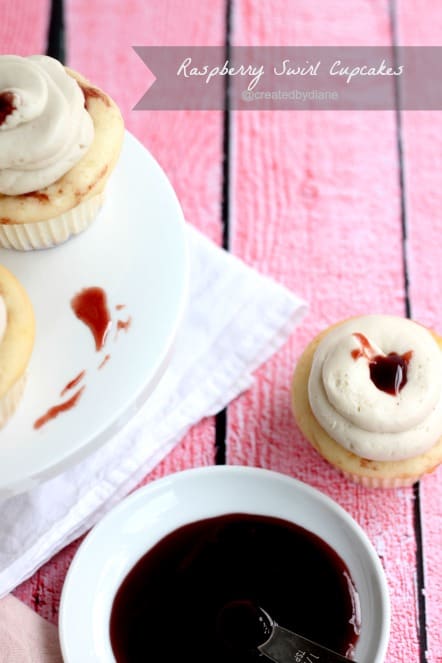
(104,362)
(73,383)
(123,325)
(90,306)
(58,409)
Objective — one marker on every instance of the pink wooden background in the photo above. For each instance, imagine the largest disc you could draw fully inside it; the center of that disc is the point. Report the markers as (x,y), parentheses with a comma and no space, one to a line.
(316,204)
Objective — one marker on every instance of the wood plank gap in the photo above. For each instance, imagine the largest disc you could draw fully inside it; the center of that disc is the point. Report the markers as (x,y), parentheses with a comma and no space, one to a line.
(401,159)
(221,417)
(417,511)
(56,43)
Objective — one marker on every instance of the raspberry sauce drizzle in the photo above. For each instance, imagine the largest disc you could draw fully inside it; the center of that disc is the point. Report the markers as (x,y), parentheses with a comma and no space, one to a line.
(90,306)
(7,105)
(58,409)
(104,362)
(123,325)
(387,372)
(73,383)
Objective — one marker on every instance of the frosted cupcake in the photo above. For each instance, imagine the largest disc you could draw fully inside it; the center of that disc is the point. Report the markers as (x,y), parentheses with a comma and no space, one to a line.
(17,330)
(367,394)
(60,138)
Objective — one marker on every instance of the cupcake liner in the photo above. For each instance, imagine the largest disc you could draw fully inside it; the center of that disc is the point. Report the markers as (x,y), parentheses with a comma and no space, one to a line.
(381,482)
(10,400)
(46,234)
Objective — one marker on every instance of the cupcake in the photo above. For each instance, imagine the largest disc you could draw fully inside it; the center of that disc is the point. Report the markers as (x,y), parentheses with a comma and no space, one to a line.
(17,330)
(60,138)
(367,394)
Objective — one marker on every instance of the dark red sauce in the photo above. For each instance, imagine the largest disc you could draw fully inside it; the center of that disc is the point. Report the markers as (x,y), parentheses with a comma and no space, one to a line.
(104,362)
(123,325)
(90,306)
(179,601)
(73,383)
(241,625)
(387,372)
(93,93)
(39,195)
(7,105)
(58,409)
(366,350)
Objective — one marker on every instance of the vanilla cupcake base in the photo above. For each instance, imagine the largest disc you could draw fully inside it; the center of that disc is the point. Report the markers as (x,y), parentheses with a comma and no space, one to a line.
(48,217)
(50,233)
(11,400)
(369,473)
(16,344)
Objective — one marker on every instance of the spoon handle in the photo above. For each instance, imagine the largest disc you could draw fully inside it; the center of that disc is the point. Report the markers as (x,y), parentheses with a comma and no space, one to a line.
(284,646)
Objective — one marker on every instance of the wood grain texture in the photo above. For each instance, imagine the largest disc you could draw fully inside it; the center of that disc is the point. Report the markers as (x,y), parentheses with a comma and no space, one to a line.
(188,145)
(317,206)
(420,23)
(23,26)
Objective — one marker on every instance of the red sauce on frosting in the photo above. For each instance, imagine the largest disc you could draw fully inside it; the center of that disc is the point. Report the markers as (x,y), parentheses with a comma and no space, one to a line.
(387,372)
(7,105)
(58,409)
(390,373)
(90,306)
(73,383)
(366,350)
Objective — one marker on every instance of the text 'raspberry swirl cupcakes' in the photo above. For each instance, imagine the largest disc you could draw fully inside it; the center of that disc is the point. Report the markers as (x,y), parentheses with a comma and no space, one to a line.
(17,331)
(60,139)
(367,394)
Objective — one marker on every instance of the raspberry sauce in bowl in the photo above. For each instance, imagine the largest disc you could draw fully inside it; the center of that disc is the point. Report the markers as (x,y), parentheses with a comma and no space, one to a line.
(193,592)
(165,575)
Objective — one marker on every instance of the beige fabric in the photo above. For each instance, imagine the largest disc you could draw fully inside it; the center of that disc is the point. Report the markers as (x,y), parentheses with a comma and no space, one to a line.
(24,636)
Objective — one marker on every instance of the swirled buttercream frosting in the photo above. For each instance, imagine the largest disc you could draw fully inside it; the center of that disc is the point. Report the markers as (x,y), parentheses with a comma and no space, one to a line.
(44,127)
(375,386)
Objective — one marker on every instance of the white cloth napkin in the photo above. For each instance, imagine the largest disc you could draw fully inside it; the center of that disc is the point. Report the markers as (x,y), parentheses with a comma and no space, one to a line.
(235,320)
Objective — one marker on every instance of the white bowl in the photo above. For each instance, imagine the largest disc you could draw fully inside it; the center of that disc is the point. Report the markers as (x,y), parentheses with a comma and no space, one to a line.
(123,536)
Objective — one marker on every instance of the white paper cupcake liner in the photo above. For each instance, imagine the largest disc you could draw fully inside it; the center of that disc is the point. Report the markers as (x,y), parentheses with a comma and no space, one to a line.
(46,234)
(10,401)
(381,482)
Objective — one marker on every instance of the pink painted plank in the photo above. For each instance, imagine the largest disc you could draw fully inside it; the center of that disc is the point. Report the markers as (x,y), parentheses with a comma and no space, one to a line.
(187,145)
(420,23)
(23,26)
(317,206)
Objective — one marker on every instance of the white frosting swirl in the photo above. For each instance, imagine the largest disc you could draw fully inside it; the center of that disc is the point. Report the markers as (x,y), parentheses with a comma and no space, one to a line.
(363,418)
(3,318)
(48,131)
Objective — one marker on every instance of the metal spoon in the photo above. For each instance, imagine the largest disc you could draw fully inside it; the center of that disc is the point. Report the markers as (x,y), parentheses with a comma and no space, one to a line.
(243,626)
(284,646)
